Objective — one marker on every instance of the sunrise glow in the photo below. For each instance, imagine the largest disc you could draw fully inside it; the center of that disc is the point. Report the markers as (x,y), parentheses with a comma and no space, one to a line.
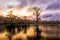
(19,13)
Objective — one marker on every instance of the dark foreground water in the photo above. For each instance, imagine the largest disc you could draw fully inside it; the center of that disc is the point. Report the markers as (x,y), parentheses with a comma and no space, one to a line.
(30,35)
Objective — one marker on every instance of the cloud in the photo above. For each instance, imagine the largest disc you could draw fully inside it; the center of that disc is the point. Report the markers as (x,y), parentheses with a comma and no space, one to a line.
(8,3)
(13,3)
(44,4)
(50,16)
(54,6)
(22,3)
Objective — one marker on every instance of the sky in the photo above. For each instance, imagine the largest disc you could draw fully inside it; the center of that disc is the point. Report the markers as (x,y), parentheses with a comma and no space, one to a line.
(7,3)
(46,6)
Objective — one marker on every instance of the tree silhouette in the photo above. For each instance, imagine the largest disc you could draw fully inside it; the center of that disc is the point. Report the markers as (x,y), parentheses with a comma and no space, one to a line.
(36,9)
